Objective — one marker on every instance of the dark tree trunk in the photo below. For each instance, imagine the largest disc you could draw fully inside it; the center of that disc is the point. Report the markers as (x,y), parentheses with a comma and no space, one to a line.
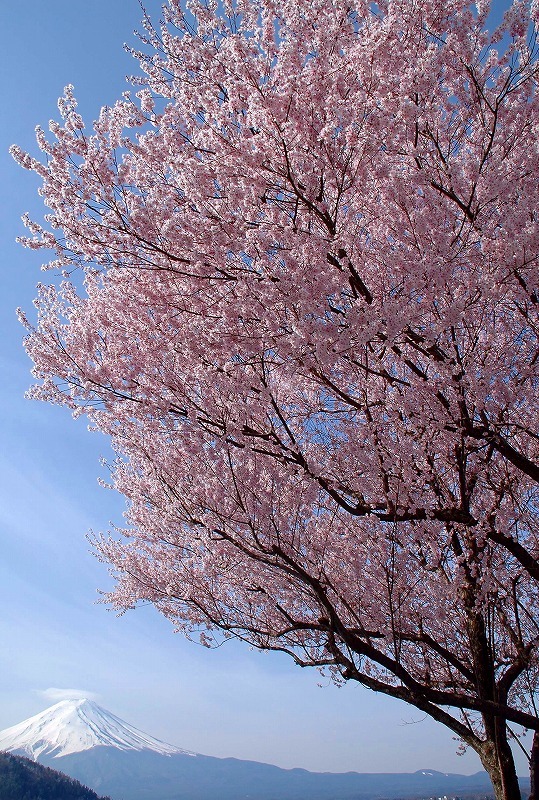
(499,763)
(534,768)
(505,782)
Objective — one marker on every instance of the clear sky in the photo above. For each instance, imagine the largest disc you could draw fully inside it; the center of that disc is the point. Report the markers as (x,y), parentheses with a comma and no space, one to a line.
(53,635)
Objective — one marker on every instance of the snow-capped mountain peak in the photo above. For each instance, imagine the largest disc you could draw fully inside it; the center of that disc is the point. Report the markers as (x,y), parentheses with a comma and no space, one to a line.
(75,725)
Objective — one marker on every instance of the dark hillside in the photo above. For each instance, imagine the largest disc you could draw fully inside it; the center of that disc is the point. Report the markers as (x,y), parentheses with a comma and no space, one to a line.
(23,779)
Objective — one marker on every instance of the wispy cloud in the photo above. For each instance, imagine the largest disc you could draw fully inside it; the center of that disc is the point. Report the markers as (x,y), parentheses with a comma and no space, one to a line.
(55,695)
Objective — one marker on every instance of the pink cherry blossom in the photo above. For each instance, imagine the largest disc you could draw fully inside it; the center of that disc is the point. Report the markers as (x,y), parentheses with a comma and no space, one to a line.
(309,326)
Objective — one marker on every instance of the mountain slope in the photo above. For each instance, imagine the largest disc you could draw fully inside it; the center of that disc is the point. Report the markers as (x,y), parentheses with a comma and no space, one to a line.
(128,775)
(23,779)
(72,726)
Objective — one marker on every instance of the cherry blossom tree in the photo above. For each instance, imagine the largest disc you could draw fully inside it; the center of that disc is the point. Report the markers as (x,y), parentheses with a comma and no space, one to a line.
(300,294)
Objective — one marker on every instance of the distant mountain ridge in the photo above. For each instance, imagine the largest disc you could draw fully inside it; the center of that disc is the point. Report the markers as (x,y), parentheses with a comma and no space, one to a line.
(90,744)
(129,775)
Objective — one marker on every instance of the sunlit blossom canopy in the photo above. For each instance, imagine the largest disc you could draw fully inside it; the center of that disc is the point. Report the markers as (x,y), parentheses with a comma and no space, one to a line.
(309,323)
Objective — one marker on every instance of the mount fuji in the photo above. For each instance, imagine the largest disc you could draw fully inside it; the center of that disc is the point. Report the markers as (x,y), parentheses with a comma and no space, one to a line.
(88,743)
(73,726)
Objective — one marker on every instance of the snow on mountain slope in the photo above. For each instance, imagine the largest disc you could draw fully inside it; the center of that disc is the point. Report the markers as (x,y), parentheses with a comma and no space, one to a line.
(75,725)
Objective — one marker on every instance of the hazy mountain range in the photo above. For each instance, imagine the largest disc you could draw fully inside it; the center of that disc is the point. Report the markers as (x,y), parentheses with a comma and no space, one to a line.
(88,743)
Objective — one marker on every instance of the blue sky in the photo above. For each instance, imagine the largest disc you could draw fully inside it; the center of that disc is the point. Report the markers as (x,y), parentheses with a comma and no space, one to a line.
(228,702)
